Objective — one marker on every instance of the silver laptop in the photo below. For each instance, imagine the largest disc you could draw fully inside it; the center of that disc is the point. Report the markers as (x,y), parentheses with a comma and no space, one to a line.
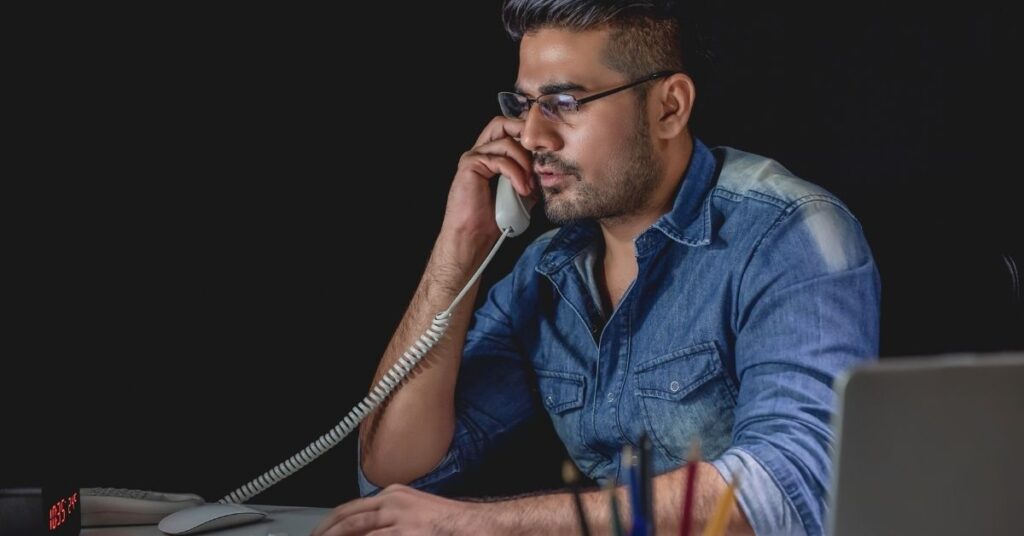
(931,446)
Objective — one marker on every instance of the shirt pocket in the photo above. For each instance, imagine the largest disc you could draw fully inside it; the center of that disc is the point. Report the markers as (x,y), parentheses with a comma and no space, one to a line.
(685,395)
(562,394)
(560,391)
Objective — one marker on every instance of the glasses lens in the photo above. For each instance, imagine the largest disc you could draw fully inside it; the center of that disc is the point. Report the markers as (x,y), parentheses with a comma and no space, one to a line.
(513,105)
(558,107)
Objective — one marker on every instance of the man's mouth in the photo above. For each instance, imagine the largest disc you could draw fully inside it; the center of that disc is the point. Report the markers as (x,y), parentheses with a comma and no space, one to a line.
(550,177)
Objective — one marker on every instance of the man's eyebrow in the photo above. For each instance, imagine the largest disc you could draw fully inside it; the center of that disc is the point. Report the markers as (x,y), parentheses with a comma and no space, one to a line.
(548,89)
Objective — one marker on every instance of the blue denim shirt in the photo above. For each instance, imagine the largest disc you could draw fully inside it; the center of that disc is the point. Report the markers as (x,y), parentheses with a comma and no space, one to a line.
(752,293)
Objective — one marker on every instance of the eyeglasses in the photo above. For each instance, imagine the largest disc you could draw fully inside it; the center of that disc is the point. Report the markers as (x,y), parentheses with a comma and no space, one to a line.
(558,106)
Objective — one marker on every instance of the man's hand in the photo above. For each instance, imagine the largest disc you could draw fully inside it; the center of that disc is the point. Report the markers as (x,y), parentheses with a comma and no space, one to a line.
(497,151)
(400,509)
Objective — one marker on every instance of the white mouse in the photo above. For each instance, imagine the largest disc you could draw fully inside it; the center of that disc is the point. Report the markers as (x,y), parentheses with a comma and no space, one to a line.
(208,517)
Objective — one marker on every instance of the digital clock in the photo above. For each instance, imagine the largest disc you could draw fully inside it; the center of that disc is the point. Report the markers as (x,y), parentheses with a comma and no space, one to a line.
(46,510)
(63,510)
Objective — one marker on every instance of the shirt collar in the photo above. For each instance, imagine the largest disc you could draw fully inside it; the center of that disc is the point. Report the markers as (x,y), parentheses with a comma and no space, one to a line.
(688,222)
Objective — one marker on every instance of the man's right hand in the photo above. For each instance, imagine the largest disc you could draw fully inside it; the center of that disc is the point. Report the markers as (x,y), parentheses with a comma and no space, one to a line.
(470,206)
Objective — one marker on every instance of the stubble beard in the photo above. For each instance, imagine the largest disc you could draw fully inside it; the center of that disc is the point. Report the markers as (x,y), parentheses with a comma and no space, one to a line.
(631,180)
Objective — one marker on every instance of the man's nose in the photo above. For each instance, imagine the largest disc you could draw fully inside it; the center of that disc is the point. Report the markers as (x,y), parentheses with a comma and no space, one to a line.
(540,134)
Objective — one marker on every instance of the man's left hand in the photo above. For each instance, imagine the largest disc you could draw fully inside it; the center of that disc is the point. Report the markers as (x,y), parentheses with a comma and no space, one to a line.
(399,509)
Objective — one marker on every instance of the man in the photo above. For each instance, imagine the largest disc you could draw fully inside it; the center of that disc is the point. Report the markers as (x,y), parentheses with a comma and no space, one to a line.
(690,294)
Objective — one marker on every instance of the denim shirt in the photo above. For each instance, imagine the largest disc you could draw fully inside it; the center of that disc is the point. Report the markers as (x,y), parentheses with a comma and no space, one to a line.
(752,293)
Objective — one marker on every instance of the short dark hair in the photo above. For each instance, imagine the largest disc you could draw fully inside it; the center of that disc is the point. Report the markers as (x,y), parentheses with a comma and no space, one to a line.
(646,36)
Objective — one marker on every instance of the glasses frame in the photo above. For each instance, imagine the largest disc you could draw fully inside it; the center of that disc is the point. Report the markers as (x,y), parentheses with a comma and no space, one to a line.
(576,103)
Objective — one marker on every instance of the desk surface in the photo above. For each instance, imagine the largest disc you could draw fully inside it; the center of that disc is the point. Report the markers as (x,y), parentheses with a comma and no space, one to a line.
(280,521)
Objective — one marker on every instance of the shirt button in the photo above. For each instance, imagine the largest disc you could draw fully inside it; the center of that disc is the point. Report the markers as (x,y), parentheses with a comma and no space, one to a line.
(611,397)
(674,386)
(549,401)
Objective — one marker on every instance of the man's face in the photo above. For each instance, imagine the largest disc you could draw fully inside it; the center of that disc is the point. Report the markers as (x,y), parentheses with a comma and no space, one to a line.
(599,163)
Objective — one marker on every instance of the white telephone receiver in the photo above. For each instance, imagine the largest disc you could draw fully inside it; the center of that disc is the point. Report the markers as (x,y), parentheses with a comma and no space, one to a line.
(512,214)
(510,210)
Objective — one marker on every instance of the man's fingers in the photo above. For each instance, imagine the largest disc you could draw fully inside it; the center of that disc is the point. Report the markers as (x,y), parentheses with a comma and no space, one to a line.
(359,523)
(346,510)
(358,505)
(507,147)
(489,165)
(500,127)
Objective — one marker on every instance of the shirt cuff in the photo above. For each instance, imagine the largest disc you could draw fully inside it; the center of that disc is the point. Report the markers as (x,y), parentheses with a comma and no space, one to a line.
(768,509)
(431,481)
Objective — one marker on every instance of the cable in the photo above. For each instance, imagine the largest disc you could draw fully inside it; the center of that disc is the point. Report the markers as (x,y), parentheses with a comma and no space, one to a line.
(377,395)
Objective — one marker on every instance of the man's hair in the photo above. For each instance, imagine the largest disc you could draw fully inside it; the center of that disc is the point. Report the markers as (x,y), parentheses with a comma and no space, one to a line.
(646,37)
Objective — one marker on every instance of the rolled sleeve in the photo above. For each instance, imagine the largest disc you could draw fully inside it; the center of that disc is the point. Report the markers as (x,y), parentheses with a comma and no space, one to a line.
(808,310)
(436,477)
(769,511)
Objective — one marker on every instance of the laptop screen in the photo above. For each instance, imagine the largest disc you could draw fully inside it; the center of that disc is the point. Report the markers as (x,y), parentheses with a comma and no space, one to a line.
(930,445)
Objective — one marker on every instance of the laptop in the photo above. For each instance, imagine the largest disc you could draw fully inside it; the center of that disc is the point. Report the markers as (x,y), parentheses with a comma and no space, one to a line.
(930,446)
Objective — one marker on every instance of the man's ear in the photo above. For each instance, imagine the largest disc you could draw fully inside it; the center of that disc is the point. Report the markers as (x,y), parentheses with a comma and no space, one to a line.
(673,102)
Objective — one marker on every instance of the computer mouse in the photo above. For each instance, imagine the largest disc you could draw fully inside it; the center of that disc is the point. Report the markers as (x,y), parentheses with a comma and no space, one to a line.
(208,517)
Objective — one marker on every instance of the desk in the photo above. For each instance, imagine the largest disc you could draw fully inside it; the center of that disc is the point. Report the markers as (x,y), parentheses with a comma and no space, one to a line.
(280,520)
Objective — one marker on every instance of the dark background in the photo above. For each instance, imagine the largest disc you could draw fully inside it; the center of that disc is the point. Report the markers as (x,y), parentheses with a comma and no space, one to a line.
(226,212)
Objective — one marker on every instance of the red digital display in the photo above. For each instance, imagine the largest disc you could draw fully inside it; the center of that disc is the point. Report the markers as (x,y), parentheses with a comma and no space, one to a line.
(62,509)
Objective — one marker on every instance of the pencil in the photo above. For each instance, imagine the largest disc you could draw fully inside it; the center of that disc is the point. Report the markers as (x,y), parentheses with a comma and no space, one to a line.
(691,481)
(571,477)
(719,520)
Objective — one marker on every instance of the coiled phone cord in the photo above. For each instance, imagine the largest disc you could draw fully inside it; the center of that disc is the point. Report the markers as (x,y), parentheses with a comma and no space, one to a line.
(377,395)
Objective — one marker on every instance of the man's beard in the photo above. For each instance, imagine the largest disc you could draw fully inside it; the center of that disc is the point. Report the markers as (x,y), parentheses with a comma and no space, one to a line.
(630,182)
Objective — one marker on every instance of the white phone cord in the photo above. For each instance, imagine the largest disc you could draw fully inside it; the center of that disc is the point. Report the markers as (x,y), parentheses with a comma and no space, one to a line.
(377,395)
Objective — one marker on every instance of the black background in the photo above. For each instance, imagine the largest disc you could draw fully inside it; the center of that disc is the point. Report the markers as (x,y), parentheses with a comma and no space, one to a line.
(225,212)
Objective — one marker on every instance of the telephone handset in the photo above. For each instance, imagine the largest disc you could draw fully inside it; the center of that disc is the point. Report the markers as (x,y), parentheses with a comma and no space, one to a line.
(512,215)
(510,210)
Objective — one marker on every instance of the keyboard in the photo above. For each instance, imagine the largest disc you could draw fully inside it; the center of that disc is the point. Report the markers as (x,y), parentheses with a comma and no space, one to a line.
(120,506)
